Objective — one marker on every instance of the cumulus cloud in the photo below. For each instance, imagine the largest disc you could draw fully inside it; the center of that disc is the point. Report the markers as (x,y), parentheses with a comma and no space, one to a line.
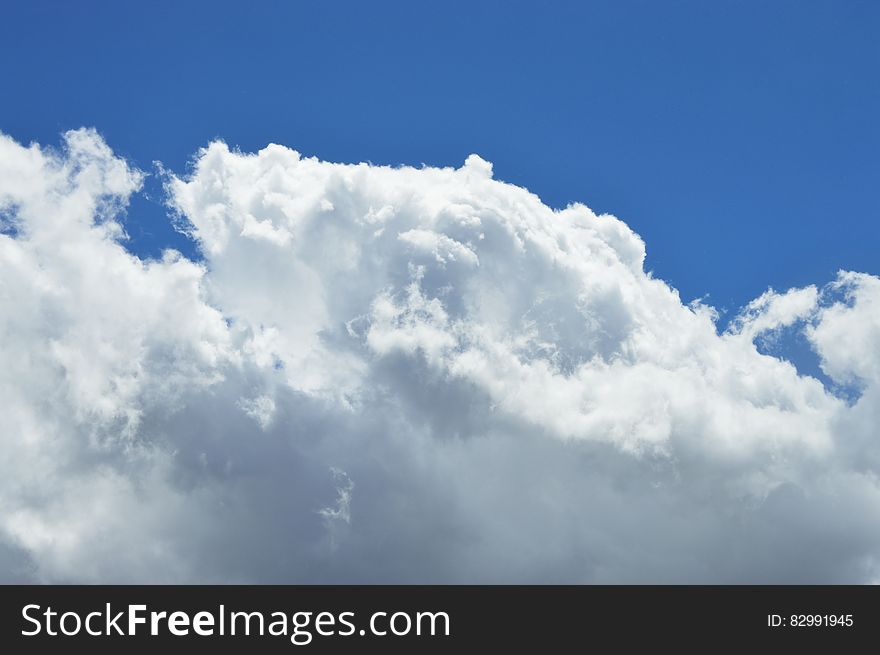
(384,374)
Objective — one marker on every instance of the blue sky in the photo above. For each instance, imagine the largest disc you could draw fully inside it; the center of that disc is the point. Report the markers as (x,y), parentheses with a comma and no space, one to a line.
(740,139)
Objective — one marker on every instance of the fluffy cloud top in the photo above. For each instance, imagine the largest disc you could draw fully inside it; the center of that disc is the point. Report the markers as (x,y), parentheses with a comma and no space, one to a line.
(398,374)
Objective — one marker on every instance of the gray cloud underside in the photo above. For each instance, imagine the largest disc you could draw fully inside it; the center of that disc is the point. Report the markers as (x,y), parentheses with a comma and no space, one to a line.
(405,375)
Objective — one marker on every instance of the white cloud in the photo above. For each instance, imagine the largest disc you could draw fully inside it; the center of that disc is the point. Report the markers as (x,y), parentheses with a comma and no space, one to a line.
(772,310)
(847,334)
(515,398)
